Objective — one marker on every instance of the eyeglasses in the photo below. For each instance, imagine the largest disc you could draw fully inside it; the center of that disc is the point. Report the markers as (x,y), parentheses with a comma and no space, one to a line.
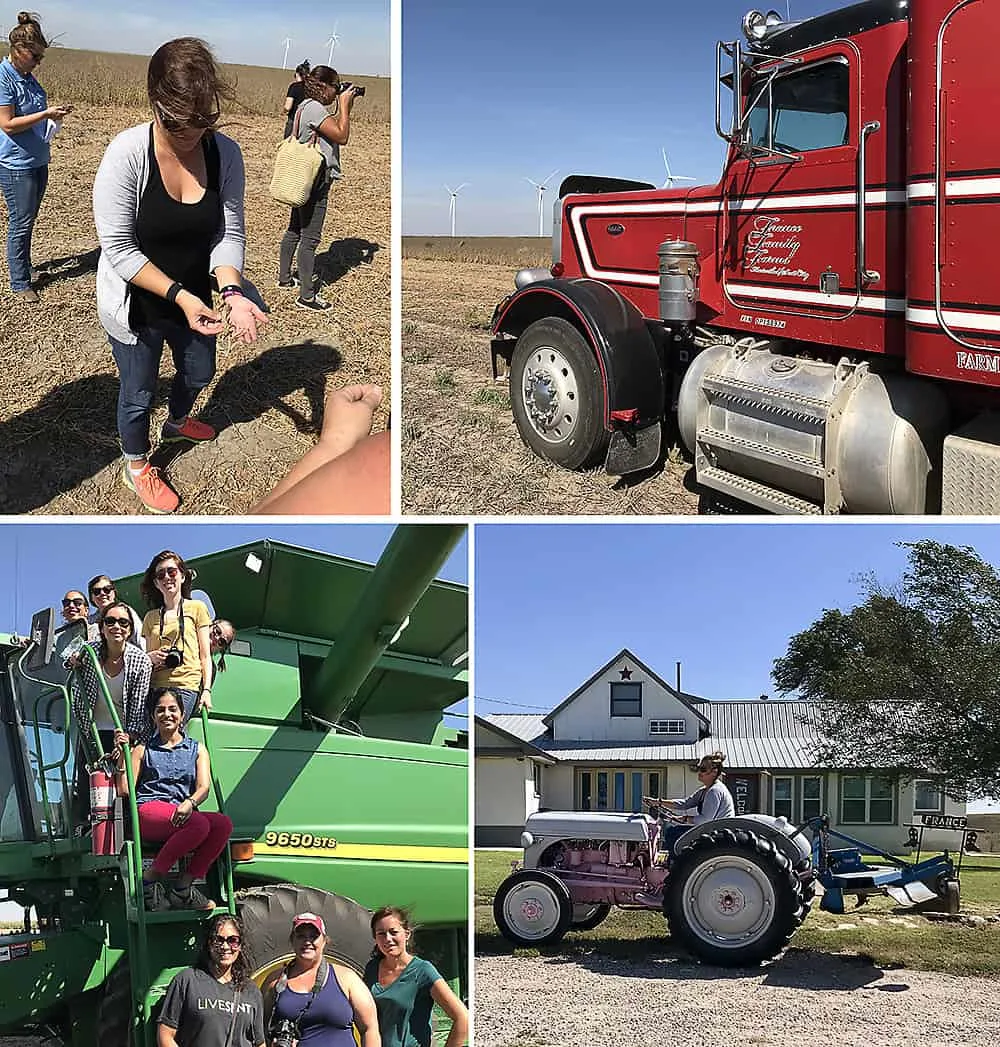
(102,590)
(75,602)
(233,940)
(216,633)
(166,572)
(122,623)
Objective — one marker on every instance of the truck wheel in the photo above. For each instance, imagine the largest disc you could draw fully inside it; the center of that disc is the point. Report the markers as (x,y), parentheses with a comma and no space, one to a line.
(557,396)
(267,924)
(533,908)
(732,898)
(115,1010)
(587,917)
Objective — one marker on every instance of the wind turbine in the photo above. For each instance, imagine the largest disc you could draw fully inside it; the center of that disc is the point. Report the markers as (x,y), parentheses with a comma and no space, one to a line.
(451,206)
(286,42)
(333,41)
(541,187)
(671,178)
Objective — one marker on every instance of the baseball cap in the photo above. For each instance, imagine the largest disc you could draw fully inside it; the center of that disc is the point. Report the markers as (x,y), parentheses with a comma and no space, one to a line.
(309,919)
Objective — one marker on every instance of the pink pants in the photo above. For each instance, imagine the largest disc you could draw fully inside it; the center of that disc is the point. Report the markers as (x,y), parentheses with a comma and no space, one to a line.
(203,836)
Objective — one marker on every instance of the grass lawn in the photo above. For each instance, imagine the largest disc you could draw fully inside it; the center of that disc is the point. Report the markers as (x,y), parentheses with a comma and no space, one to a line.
(889,936)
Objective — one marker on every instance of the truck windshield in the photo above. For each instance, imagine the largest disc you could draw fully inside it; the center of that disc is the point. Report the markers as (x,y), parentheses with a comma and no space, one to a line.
(38,754)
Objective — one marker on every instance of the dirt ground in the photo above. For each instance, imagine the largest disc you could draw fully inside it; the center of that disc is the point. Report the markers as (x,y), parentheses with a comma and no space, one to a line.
(58,381)
(461,450)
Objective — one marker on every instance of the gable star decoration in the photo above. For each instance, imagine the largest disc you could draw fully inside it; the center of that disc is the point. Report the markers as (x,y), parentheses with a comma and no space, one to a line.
(626,673)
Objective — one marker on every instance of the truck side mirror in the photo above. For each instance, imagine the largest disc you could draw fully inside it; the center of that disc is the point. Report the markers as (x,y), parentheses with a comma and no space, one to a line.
(42,636)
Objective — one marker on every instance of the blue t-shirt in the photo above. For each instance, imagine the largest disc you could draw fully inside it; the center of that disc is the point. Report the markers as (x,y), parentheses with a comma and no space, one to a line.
(27,149)
(404,1008)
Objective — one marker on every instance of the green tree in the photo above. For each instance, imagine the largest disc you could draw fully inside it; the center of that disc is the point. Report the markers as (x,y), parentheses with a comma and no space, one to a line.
(908,681)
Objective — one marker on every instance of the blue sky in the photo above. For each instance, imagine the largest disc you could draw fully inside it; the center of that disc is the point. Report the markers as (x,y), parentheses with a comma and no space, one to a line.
(496,94)
(249,32)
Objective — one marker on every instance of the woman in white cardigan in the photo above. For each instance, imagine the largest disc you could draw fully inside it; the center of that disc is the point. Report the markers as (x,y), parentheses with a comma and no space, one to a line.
(168,206)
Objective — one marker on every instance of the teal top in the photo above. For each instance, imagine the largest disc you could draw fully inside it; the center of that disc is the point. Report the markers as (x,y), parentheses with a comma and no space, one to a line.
(404,1008)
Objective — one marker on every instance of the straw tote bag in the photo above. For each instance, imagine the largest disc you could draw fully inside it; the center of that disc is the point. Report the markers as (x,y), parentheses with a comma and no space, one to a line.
(296,168)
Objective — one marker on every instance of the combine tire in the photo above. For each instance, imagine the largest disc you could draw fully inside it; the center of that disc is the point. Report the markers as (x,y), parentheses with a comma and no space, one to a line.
(556,394)
(587,917)
(533,908)
(114,1014)
(267,924)
(732,898)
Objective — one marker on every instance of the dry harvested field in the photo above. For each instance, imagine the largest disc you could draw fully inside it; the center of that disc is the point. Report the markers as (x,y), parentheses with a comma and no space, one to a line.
(461,449)
(58,381)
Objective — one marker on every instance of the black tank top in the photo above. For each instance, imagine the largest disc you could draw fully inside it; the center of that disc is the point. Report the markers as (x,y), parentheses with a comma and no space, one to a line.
(177,238)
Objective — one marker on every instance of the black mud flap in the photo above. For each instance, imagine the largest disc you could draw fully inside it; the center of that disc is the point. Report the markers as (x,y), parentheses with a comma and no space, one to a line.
(634,449)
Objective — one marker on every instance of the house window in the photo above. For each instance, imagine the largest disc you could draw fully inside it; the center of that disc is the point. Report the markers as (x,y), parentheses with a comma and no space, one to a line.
(615,789)
(585,797)
(536,778)
(812,797)
(626,699)
(619,790)
(928,797)
(602,790)
(668,727)
(865,800)
(654,783)
(783,806)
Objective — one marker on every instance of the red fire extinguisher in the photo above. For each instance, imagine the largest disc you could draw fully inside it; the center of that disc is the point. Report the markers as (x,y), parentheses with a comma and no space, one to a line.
(102,809)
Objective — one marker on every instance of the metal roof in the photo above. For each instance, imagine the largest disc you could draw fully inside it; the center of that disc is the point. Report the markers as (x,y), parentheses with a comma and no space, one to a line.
(753,734)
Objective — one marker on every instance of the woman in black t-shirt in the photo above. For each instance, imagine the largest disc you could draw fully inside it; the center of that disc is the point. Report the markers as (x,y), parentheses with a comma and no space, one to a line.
(295,95)
(168,205)
(215,1002)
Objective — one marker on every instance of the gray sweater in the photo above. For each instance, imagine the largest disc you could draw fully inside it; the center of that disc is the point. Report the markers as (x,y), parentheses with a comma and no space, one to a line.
(118,188)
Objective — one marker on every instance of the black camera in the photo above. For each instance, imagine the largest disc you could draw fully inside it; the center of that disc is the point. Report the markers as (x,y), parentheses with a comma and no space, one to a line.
(172,658)
(359,91)
(284,1032)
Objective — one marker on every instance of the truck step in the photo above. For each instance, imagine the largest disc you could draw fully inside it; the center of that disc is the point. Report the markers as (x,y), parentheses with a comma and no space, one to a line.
(801,463)
(754,493)
(784,402)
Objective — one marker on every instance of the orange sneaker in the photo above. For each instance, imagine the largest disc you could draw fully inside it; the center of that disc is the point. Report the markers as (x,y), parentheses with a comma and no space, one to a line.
(192,429)
(153,491)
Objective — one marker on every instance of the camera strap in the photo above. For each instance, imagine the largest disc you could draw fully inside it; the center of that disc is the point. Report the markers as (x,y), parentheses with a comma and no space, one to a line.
(322,972)
(180,622)
(236,1011)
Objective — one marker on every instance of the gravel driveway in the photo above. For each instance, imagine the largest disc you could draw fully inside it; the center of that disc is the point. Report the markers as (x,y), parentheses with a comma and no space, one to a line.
(801,998)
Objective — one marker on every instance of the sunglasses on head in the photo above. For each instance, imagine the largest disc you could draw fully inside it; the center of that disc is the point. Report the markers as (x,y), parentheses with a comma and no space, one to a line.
(124,623)
(232,940)
(75,602)
(166,572)
(102,590)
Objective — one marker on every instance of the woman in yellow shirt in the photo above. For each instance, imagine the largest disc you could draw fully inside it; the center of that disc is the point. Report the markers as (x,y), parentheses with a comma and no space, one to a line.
(176,631)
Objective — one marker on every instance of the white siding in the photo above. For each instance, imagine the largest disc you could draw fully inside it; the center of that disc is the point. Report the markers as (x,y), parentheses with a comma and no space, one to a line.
(504,791)
(557,785)
(589,714)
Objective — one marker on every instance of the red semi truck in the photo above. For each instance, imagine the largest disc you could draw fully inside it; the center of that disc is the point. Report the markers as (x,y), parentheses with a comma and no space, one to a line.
(823,323)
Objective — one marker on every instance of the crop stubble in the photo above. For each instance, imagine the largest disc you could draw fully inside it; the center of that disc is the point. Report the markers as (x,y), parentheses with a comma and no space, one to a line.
(58,381)
(461,450)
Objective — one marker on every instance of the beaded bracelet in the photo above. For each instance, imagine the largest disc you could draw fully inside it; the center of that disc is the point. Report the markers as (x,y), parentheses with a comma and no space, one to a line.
(229,290)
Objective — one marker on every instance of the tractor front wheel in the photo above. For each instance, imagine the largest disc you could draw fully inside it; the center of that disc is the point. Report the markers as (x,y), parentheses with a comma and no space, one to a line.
(267,914)
(732,898)
(533,908)
(557,396)
(587,917)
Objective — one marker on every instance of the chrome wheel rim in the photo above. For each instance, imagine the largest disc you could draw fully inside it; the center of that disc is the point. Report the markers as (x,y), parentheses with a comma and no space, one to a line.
(550,395)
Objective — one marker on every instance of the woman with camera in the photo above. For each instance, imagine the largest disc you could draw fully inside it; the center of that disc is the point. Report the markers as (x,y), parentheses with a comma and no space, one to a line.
(177,633)
(405,987)
(215,1003)
(315,1002)
(313,122)
(172,777)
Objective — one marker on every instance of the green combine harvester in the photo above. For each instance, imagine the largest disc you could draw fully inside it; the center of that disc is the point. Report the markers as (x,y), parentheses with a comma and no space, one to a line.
(329,752)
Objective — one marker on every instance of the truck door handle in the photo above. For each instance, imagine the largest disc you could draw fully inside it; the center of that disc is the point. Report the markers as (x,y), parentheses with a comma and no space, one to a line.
(865,275)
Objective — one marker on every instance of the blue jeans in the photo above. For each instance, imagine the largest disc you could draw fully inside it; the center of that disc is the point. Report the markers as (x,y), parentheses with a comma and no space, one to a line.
(139,367)
(23,189)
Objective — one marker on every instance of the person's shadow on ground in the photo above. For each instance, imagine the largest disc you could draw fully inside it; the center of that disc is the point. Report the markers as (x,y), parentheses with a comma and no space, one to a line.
(70,434)
(57,269)
(344,255)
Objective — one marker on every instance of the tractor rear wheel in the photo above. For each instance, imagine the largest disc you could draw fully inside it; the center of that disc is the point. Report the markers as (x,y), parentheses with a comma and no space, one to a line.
(267,925)
(114,1014)
(587,917)
(732,898)
(533,908)
(557,396)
